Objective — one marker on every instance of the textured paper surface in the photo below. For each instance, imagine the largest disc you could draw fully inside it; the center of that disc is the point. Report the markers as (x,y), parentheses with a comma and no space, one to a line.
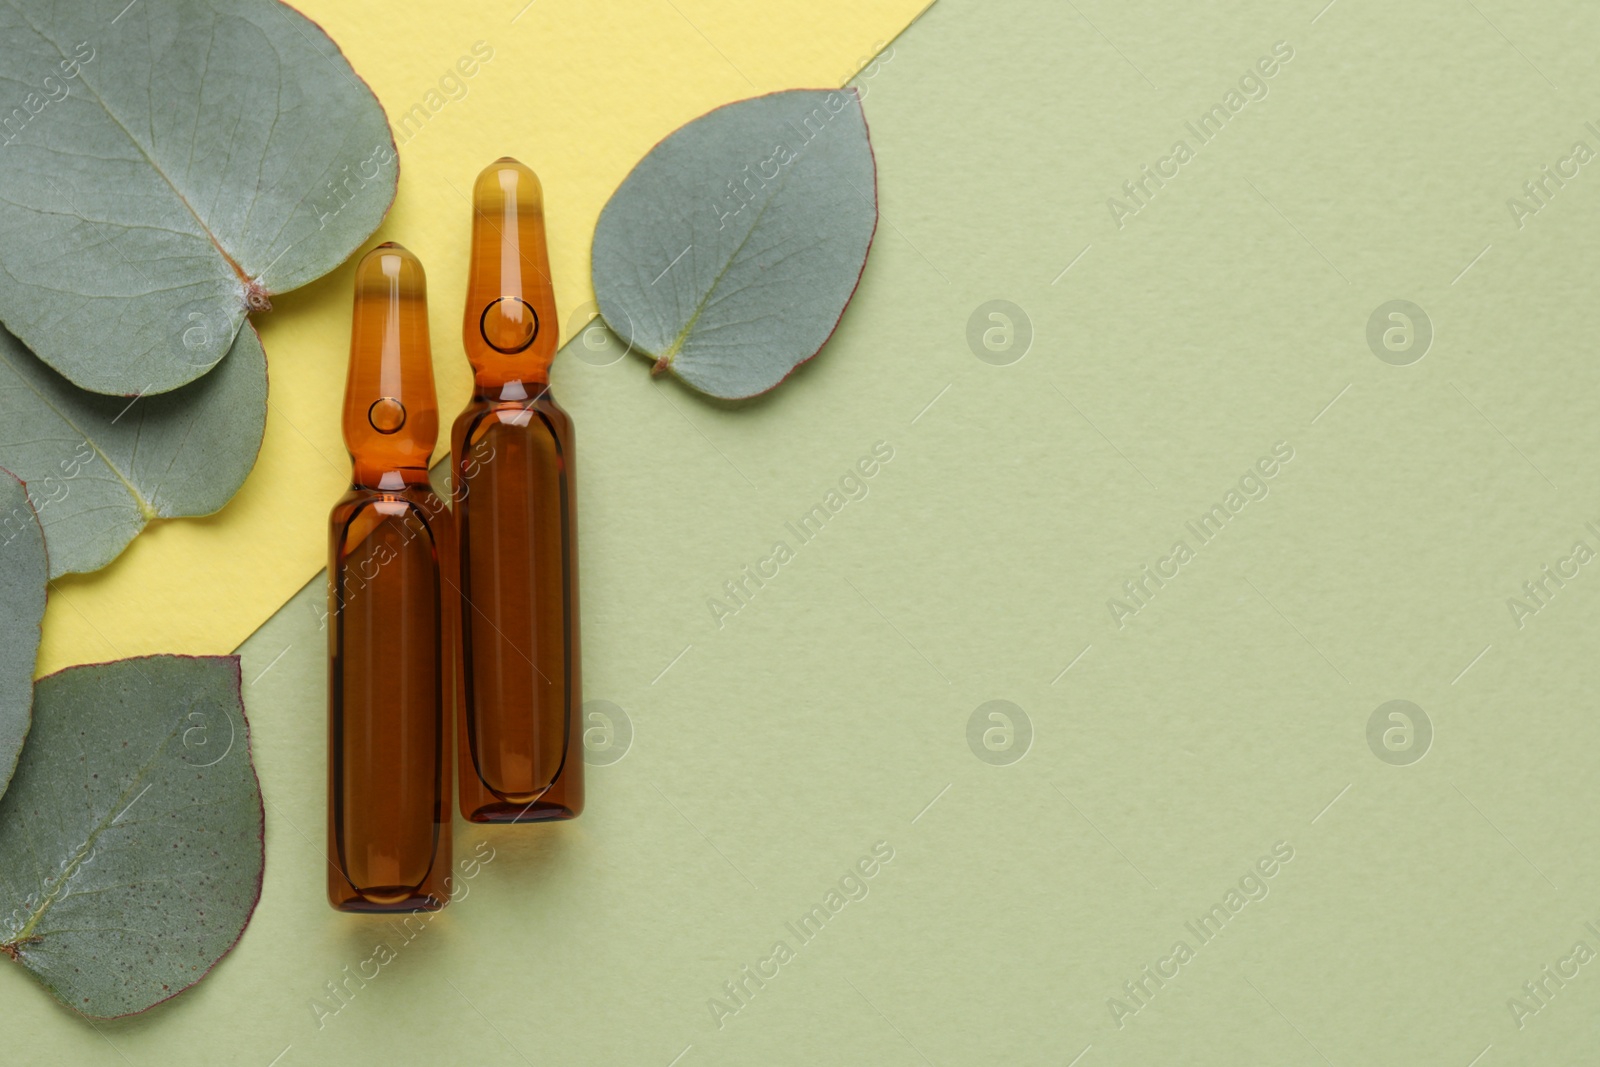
(1227,716)
(579,92)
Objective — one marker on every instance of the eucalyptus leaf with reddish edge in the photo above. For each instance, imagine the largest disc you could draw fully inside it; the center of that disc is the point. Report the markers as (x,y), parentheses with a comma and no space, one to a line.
(24,570)
(166,171)
(98,468)
(131,837)
(730,251)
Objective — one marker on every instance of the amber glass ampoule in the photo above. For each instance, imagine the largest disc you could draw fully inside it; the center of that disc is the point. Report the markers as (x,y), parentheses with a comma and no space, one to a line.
(512,471)
(391,611)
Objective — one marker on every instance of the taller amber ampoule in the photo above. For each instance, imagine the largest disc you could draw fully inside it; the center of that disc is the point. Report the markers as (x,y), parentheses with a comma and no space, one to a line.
(512,470)
(390,634)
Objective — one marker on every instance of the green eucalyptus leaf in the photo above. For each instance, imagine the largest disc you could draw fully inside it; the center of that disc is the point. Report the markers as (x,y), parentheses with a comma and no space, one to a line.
(167,170)
(131,838)
(730,251)
(99,467)
(23,574)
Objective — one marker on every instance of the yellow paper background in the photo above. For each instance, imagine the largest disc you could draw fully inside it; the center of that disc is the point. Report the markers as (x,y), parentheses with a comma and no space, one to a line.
(577,91)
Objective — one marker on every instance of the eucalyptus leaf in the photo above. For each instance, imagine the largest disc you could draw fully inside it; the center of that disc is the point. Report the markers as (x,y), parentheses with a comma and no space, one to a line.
(730,251)
(23,574)
(99,467)
(167,170)
(131,838)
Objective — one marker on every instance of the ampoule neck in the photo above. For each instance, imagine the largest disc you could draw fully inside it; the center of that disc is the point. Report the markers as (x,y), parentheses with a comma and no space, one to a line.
(512,391)
(388,480)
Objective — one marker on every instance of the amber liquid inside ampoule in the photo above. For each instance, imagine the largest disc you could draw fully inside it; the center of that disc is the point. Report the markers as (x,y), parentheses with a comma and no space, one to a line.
(390,613)
(514,484)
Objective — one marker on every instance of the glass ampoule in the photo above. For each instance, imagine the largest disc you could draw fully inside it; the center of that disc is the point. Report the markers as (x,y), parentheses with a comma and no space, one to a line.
(391,612)
(521,757)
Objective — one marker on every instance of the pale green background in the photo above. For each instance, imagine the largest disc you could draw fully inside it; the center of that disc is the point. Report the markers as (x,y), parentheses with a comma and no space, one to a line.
(1224,718)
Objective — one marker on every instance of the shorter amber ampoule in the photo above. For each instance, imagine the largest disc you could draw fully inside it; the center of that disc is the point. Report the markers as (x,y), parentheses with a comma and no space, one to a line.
(516,523)
(391,611)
